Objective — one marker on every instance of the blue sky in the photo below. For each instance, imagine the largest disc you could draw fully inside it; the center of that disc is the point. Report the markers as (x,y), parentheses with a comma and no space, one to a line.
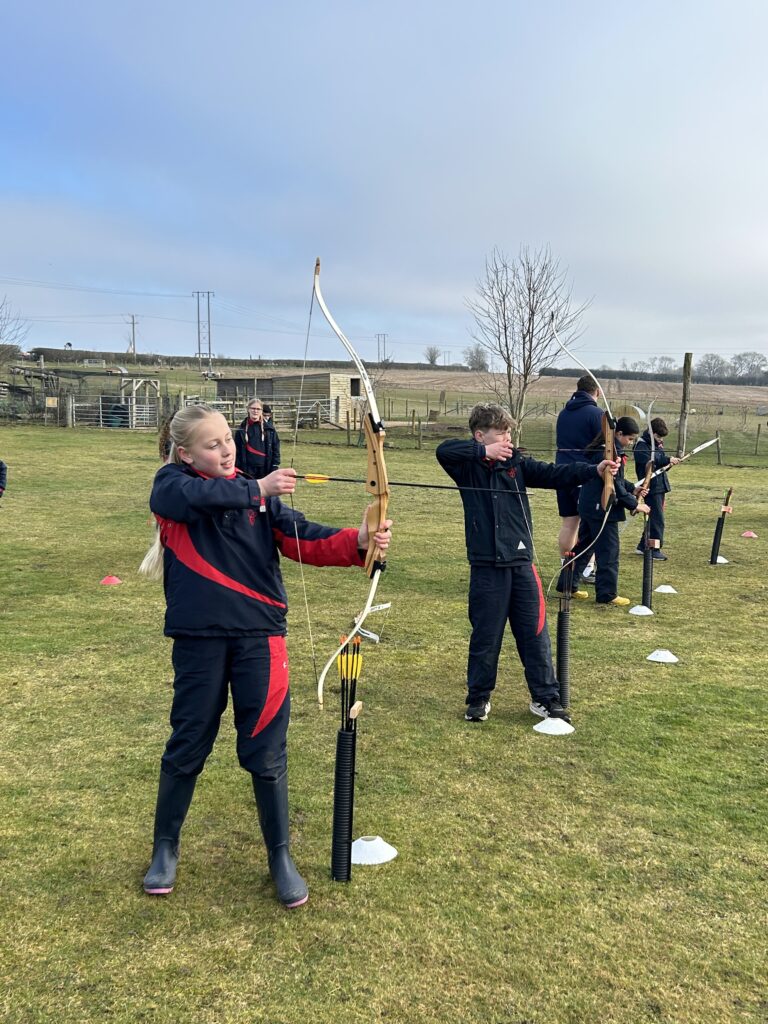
(164,147)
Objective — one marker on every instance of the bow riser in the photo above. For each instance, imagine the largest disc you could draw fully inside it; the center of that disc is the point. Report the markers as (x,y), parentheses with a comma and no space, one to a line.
(377,486)
(609,488)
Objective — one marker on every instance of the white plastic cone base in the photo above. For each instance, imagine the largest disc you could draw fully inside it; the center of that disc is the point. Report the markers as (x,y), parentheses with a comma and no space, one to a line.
(372,850)
(554,727)
(665,589)
(640,609)
(664,656)
(721,560)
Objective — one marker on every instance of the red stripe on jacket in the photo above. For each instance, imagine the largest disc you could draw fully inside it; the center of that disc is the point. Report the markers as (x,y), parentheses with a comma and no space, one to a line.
(255,451)
(339,549)
(278,682)
(175,537)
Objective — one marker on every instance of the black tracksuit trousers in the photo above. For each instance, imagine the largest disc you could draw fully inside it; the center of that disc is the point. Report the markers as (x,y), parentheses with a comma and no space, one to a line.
(606,552)
(256,668)
(656,519)
(497,596)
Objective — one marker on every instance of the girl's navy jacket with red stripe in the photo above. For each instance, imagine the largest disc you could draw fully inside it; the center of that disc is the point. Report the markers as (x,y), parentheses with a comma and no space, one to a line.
(222,553)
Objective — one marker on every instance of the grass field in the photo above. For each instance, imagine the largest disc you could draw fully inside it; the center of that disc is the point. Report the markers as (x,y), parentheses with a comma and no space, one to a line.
(616,875)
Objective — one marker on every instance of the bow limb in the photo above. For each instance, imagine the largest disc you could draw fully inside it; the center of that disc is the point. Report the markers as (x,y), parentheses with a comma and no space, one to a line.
(609,423)
(377,483)
(358,624)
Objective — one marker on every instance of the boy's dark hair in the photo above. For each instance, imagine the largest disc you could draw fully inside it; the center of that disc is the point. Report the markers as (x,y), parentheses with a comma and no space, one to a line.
(658,426)
(489,416)
(586,383)
(627,425)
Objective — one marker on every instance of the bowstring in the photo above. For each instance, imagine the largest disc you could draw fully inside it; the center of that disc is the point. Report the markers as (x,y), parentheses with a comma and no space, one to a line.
(293,509)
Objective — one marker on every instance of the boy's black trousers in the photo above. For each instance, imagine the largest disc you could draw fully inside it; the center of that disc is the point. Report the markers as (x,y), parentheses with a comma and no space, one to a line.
(656,519)
(496,596)
(256,668)
(606,552)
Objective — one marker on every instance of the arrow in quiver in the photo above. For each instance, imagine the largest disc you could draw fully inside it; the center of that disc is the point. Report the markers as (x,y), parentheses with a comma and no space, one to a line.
(349,662)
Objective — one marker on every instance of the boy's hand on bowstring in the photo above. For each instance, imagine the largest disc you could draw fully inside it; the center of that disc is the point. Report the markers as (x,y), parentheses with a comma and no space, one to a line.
(499,451)
(382,537)
(281,481)
(609,465)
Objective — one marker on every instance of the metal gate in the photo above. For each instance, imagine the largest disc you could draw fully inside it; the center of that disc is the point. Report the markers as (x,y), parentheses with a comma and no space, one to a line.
(116,412)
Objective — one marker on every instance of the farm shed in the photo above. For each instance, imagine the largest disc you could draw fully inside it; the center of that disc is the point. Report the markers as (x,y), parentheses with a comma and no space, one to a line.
(331,395)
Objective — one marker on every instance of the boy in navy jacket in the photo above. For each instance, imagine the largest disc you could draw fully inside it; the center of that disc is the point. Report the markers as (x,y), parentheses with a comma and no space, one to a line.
(598,529)
(577,426)
(504,584)
(660,485)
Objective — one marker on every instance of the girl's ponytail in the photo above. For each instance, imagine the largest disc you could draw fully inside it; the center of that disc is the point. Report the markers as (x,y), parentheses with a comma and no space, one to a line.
(152,563)
(181,432)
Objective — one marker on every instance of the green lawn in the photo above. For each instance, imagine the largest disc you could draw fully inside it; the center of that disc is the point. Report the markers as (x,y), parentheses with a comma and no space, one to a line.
(616,875)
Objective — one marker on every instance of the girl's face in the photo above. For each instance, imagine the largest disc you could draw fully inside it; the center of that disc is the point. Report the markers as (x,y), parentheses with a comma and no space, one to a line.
(625,440)
(254,412)
(212,450)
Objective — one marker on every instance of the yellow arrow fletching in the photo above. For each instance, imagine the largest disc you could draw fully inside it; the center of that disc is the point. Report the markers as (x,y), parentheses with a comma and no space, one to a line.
(316,478)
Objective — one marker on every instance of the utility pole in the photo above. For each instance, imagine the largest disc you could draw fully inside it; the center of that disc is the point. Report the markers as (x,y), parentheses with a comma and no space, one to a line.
(132,342)
(381,342)
(204,331)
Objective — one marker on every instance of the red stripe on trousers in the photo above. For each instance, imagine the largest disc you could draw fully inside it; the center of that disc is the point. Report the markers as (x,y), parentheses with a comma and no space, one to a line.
(542,603)
(278,682)
(176,537)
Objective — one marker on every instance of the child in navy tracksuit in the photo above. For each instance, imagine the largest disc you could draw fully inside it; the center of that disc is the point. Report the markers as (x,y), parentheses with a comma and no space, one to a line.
(258,445)
(3,477)
(577,425)
(660,485)
(504,584)
(598,531)
(219,538)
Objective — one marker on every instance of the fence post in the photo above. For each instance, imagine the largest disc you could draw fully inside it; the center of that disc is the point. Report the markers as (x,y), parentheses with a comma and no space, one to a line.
(413,422)
(349,431)
(419,436)
(757,439)
(70,410)
(719,459)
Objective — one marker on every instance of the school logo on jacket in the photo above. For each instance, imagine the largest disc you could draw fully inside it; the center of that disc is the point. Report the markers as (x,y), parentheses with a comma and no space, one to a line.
(512,472)
(251,517)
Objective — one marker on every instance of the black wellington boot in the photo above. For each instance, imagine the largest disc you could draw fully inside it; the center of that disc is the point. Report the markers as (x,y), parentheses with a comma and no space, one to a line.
(272,803)
(174,796)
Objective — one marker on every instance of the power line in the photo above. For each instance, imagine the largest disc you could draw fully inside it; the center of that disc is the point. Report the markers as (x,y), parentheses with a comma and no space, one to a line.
(103,291)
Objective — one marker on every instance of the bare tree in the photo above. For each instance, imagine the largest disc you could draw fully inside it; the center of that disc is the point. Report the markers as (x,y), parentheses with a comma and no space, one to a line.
(476,358)
(749,364)
(665,364)
(514,307)
(432,354)
(13,331)
(713,366)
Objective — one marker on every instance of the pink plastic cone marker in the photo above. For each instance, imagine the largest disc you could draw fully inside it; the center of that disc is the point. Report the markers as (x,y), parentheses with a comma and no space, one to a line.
(111,581)
(748,533)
